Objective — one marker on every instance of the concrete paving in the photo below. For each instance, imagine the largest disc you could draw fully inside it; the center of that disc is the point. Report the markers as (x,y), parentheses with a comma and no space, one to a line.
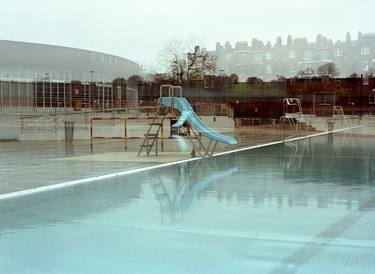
(26,165)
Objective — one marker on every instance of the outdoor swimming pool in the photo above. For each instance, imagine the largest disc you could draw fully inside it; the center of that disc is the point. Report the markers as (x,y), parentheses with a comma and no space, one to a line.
(302,207)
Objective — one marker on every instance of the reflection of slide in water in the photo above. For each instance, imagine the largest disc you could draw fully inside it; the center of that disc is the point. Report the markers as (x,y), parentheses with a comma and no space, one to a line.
(184,147)
(189,196)
(177,193)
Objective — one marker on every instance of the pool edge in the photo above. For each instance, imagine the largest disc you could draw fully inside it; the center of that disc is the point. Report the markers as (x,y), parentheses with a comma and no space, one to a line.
(31,191)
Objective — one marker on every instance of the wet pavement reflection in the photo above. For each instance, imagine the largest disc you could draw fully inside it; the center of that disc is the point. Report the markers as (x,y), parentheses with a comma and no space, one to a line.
(299,206)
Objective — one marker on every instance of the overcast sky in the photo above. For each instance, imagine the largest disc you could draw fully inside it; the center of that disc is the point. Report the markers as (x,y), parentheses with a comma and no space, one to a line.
(138,29)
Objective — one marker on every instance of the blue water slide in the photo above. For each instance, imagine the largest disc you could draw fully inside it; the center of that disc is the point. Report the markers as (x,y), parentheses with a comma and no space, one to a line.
(188,114)
(189,196)
(183,118)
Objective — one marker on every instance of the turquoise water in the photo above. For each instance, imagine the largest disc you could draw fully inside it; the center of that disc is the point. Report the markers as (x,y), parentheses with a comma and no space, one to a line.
(304,207)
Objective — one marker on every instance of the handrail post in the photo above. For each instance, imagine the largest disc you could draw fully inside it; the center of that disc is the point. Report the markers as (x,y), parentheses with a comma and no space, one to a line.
(162,88)
(179,88)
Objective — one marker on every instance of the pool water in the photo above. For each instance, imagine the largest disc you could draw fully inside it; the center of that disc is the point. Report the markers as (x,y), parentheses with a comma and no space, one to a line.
(302,207)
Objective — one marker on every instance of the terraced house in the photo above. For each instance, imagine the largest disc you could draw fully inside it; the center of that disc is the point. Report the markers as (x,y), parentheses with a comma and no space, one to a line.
(269,61)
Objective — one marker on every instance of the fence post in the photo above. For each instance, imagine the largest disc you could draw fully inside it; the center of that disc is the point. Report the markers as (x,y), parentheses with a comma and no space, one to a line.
(69,131)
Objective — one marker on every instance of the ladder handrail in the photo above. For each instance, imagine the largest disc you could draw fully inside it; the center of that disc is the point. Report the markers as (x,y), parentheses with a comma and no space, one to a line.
(179,88)
(155,135)
(170,90)
(339,111)
(290,102)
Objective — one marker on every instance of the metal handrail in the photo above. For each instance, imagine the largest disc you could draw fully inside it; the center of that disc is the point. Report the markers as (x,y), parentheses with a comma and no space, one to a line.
(170,90)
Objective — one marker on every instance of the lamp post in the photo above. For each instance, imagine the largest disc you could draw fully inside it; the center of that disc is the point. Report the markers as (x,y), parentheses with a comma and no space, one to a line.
(119,105)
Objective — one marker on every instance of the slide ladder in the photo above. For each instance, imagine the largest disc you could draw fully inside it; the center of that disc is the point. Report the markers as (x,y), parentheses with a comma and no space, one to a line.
(293,112)
(152,135)
(339,112)
(151,139)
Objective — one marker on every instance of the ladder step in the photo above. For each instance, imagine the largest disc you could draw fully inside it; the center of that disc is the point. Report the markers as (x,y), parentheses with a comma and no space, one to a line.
(156,124)
(152,134)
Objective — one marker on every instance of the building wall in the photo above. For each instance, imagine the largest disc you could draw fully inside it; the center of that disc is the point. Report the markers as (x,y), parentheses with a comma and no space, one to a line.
(29,96)
(47,76)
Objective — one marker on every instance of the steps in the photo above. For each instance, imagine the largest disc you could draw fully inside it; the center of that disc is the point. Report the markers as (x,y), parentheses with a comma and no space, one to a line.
(151,139)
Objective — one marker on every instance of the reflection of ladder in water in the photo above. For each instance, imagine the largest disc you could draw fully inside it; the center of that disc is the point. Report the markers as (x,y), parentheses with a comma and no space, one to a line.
(294,118)
(161,194)
(170,202)
(339,112)
(291,163)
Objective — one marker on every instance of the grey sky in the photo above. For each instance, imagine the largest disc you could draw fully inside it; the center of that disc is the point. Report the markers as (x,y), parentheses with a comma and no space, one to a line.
(138,29)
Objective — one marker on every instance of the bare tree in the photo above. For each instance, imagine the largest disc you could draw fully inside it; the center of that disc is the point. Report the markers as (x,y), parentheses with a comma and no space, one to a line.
(135,79)
(200,63)
(184,60)
(234,77)
(252,80)
(306,73)
(172,58)
(328,69)
(370,72)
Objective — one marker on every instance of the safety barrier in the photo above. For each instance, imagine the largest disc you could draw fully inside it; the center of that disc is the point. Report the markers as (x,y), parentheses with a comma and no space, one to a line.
(126,136)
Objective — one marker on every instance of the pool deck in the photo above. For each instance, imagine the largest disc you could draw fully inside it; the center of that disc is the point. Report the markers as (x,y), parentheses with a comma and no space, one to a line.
(28,165)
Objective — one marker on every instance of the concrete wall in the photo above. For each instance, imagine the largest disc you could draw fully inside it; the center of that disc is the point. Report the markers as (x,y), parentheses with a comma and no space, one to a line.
(321,123)
(219,123)
(10,127)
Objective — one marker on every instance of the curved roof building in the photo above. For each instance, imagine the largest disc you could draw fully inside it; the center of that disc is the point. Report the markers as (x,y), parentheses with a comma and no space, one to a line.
(16,58)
